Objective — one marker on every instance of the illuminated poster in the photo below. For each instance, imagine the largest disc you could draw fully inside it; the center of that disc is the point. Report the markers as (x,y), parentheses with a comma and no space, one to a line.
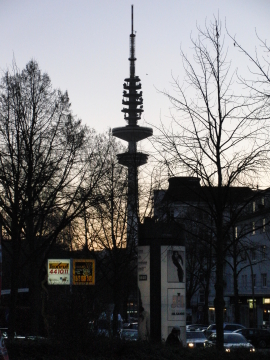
(59,271)
(173,290)
(176,304)
(176,266)
(84,272)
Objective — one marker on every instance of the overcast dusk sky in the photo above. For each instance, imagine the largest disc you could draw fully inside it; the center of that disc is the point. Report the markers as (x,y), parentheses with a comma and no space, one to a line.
(84,46)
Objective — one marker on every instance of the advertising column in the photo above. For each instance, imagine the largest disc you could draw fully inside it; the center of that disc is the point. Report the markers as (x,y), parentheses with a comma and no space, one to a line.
(144,291)
(173,290)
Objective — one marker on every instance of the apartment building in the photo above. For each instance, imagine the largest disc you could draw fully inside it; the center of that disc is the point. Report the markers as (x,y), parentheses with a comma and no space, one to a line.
(246,248)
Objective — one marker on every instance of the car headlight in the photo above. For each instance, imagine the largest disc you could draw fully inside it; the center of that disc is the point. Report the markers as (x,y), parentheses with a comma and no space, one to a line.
(228,350)
(191,345)
(252,349)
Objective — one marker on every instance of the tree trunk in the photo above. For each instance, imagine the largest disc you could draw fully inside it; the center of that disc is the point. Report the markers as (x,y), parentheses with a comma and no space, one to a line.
(16,250)
(35,300)
(219,304)
(236,295)
(206,302)
(219,300)
(115,317)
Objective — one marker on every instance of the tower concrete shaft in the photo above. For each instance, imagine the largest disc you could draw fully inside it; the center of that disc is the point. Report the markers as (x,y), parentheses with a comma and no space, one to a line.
(132,133)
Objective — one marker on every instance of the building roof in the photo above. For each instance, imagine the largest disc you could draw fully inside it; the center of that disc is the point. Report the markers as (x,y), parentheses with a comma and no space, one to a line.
(188,189)
(161,232)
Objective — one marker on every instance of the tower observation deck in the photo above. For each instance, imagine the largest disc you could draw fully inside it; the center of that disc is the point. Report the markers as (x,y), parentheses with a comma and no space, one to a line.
(132,133)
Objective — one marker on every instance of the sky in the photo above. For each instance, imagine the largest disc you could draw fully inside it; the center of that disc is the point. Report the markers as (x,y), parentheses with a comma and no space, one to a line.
(84,46)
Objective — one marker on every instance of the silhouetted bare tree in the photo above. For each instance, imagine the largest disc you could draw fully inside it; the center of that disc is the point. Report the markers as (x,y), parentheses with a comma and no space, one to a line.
(216,136)
(46,157)
(259,83)
(107,226)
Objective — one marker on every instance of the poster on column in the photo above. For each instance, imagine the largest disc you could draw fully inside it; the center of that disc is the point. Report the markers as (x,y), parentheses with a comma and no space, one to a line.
(176,304)
(144,276)
(175,265)
(173,290)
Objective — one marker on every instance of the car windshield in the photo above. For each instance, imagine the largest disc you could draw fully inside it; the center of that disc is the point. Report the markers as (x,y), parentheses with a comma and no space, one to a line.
(211,327)
(195,335)
(234,339)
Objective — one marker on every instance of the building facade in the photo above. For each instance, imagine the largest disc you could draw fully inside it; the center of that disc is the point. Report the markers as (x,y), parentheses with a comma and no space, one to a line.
(246,249)
(253,266)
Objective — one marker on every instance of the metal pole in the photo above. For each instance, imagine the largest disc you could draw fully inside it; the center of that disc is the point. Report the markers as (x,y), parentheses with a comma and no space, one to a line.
(0,258)
(71,274)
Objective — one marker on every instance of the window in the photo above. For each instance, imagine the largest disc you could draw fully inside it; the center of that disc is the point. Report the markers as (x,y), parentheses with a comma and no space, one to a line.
(201,296)
(251,303)
(253,280)
(244,281)
(254,206)
(262,201)
(243,255)
(235,232)
(231,327)
(253,254)
(263,252)
(263,225)
(253,228)
(264,280)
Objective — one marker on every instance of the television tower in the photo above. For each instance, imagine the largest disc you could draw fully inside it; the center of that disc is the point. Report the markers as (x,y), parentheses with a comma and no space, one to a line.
(132,133)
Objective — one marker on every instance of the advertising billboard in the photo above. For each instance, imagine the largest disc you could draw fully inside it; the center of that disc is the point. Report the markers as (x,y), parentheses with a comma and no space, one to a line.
(83,272)
(59,271)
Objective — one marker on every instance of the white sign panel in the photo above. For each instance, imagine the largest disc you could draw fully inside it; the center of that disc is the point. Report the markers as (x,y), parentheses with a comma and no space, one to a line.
(144,276)
(144,291)
(59,271)
(173,290)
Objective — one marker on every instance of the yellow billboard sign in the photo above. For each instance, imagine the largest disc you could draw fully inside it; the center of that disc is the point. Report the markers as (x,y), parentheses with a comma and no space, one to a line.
(83,272)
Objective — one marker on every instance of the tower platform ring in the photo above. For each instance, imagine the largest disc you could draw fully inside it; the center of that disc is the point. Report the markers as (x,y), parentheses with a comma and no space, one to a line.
(132,132)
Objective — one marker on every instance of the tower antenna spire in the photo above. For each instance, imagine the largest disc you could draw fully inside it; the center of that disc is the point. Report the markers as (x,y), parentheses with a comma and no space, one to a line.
(131,19)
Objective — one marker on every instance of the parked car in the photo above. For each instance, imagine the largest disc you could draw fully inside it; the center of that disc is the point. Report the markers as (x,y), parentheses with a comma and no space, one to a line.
(3,349)
(195,339)
(227,328)
(133,325)
(194,327)
(129,334)
(17,337)
(103,332)
(232,342)
(258,337)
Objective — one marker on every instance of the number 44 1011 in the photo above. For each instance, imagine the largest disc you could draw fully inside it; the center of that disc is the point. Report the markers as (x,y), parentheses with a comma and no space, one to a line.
(59,271)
